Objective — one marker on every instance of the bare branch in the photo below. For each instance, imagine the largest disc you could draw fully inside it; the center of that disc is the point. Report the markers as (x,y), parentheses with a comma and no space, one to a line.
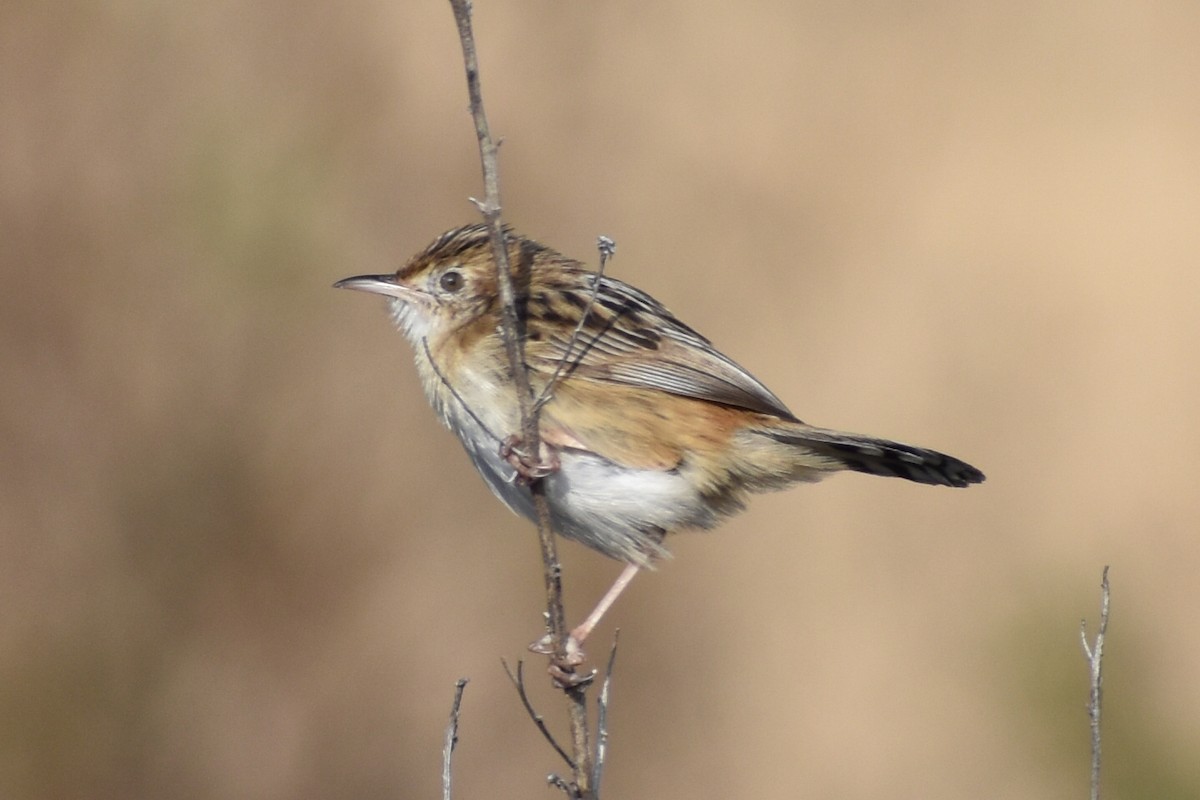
(489,207)
(602,717)
(451,737)
(518,681)
(530,434)
(1094,652)
(607,248)
(513,343)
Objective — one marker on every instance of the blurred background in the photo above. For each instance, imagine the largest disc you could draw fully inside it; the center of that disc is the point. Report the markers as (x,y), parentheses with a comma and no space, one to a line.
(241,559)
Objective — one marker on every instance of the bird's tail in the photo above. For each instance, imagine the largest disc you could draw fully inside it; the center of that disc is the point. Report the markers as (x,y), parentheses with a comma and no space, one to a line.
(880,456)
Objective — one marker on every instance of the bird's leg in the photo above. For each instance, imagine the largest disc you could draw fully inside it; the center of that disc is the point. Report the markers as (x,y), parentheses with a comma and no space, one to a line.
(574,652)
(584,629)
(528,468)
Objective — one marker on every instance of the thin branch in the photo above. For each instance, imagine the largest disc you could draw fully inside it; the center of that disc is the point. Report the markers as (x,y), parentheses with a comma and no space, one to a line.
(511,327)
(1094,653)
(530,435)
(602,717)
(518,681)
(451,737)
(607,248)
(454,393)
(490,208)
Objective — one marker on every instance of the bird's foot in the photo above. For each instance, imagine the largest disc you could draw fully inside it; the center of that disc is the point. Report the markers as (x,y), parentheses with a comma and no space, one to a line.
(563,668)
(528,469)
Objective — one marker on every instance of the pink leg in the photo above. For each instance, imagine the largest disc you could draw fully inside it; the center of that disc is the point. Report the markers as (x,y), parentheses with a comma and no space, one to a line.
(583,629)
(575,639)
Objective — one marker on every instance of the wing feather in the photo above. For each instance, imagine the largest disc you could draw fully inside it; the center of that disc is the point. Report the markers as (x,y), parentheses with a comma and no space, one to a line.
(632,339)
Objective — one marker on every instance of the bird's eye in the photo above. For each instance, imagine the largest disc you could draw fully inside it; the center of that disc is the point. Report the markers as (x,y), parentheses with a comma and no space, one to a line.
(451,280)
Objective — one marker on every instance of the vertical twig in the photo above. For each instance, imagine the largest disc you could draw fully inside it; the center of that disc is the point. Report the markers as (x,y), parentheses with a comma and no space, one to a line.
(1095,654)
(451,737)
(530,435)
(514,346)
(489,207)
(602,717)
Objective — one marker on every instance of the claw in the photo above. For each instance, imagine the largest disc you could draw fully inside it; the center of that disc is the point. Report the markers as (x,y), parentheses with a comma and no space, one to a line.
(527,468)
(568,678)
(562,670)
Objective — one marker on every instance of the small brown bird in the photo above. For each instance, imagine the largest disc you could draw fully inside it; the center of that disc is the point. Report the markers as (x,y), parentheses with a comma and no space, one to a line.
(649,428)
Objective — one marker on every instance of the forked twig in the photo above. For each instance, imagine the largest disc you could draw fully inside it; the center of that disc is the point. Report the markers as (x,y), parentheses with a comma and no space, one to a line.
(518,681)
(451,737)
(607,248)
(1095,653)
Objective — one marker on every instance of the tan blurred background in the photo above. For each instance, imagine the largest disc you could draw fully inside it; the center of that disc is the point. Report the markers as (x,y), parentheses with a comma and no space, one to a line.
(240,559)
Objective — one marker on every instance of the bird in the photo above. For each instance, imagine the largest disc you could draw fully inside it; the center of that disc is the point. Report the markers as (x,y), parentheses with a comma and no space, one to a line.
(647,429)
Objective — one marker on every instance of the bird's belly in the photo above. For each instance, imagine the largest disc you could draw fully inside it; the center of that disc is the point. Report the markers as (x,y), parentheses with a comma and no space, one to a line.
(621,512)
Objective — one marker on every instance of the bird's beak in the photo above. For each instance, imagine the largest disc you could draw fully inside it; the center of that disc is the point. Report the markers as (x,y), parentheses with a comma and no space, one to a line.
(386,285)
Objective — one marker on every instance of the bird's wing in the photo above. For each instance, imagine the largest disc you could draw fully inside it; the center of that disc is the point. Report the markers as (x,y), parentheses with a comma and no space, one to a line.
(630,338)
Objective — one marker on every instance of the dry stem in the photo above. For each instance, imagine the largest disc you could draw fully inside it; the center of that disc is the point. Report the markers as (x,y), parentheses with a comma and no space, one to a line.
(530,435)
(1095,654)
(451,737)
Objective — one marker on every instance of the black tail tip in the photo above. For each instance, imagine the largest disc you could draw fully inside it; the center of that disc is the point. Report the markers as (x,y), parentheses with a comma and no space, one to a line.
(960,474)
